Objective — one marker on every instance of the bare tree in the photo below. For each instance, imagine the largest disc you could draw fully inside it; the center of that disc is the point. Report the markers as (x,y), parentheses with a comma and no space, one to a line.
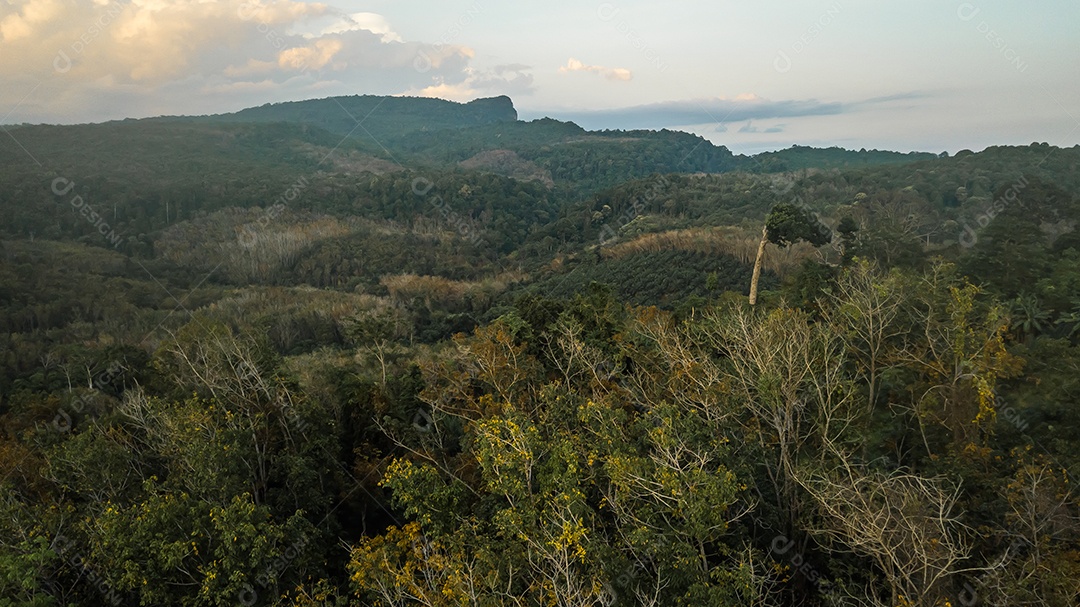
(788,375)
(226,366)
(904,522)
(865,306)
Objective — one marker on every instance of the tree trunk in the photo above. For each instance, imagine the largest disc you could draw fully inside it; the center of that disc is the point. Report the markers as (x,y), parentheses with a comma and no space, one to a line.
(757,264)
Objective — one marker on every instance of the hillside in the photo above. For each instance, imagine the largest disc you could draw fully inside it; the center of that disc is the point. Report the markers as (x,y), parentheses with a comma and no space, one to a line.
(267,358)
(800,157)
(444,134)
(371,116)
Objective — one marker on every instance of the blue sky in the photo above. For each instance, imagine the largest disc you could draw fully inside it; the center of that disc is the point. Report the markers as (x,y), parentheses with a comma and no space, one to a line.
(754,76)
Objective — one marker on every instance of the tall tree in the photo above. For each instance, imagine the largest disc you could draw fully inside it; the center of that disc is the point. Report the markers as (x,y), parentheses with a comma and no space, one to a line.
(787,224)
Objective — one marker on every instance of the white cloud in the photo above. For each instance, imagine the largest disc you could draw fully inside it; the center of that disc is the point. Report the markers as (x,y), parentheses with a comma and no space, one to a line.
(454,92)
(611,73)
(312,57)
(85,55)
(372,22)
(511,79)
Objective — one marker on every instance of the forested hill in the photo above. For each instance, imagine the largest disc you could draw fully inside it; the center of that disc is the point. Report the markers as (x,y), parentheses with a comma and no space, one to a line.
(567,154)
(799,157)
(485,134)
(379,116)
(452,358)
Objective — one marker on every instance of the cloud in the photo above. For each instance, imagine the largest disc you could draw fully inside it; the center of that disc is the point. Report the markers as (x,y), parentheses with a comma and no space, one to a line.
(611,73)
(750,128)
(316,56)
(717,110)
(511,80)
(372,22)
(909,96)
(77,60)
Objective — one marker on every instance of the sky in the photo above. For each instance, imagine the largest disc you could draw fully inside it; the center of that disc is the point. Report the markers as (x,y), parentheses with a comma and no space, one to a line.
(754,75)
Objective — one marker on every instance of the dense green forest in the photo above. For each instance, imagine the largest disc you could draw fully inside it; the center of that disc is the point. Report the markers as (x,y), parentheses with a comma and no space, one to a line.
(452,358)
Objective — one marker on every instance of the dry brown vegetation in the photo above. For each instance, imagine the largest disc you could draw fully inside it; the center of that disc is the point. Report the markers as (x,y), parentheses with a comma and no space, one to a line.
(253,245)
(351,161)
(738,242)
(509,164)
(281,301)
(438,291)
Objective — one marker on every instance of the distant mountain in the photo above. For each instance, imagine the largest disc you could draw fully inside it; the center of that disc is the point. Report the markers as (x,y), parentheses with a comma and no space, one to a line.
(570,155)
(799,157)
(372,116)
(485,135)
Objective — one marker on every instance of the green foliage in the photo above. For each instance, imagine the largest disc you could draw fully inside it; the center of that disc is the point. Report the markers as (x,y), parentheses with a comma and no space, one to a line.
(21,571)
(788,224)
